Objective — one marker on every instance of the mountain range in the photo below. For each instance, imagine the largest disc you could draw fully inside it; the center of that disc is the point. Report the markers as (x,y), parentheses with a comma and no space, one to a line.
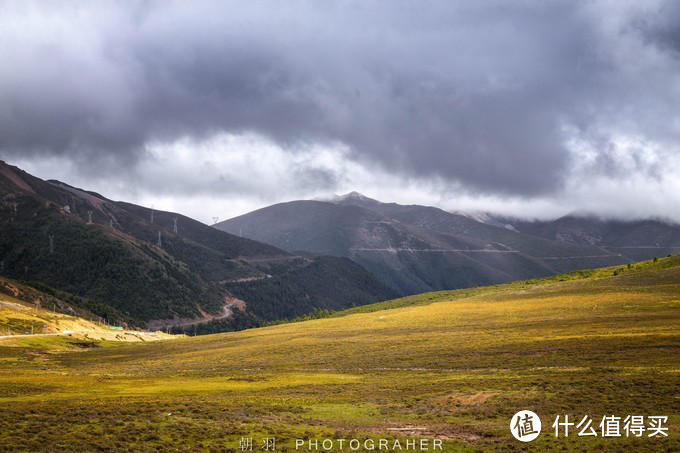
(634,239)
(144,267)
(416,248)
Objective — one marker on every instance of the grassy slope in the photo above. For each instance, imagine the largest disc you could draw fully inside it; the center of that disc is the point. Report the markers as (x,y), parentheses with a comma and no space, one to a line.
(581,344)
(24,323)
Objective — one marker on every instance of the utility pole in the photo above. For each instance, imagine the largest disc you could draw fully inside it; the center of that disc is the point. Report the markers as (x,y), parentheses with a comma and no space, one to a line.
(215,219)
(151,215)
(159,243)
(51,244)
(89,217)
(174,225)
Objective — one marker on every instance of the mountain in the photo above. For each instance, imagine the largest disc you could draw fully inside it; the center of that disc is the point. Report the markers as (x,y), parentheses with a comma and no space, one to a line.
(634,239)
(157,269)
(414,248)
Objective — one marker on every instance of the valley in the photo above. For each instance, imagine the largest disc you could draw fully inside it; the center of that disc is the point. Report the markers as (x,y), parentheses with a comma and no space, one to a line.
(452,365)
(339,227)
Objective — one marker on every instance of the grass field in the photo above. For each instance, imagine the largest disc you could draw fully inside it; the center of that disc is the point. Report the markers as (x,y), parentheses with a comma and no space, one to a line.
(454,365)
(19,318)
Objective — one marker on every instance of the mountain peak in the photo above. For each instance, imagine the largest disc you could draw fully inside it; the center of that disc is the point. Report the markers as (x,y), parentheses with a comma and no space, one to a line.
(353,198)
(353,195)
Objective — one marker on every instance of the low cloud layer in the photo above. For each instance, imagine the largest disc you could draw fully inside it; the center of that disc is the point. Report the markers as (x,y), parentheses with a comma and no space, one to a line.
(538,106)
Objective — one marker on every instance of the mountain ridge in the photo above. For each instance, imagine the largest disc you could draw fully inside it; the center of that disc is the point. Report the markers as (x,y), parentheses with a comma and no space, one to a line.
(637,239)
(413,248)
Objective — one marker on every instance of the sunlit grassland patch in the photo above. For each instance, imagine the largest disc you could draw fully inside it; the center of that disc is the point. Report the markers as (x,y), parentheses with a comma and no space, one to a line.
(183,385)
(454,365)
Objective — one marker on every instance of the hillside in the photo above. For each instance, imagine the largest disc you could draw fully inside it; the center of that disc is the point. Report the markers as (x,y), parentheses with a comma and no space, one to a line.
(105,251)
(634,239)
(414,248)
(28,315)
(453,366)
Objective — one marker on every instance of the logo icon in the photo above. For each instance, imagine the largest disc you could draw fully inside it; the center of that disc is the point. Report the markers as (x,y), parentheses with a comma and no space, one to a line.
(525,426)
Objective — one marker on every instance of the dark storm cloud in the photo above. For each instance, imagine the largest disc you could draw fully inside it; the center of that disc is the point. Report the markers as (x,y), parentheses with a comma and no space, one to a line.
(662,29)
(483,93)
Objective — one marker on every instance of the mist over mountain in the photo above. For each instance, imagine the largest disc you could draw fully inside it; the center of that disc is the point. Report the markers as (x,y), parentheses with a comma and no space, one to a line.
(637,239)
(634,239)
(414,248)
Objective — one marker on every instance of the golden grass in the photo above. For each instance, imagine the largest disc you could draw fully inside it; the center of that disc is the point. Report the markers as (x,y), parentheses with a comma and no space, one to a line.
(19,319)
(588,344)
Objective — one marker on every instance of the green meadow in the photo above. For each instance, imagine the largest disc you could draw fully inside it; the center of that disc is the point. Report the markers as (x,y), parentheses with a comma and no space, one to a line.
(454,366)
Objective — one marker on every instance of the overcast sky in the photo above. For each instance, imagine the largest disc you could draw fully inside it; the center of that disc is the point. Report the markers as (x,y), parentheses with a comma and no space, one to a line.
(533,108)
